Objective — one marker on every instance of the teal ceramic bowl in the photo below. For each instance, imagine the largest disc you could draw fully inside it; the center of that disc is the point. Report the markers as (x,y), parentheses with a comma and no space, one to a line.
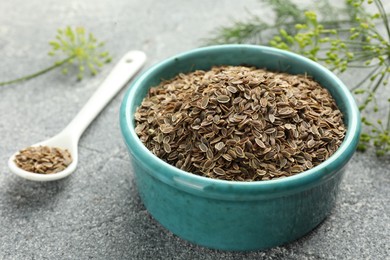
(232,215)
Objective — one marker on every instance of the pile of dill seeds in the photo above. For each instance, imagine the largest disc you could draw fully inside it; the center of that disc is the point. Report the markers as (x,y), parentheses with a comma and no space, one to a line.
(43,159)
(240,123)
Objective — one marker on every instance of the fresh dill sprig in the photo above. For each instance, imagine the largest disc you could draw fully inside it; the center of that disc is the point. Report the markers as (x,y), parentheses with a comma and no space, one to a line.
(77,49)
(257,31)
(342,39)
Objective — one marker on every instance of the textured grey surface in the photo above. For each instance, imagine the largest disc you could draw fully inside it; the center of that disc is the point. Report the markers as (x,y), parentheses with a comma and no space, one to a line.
(96,213)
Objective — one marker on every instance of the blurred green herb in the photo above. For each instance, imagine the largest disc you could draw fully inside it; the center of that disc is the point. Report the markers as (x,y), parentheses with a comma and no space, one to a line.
(79,51)
(343,39)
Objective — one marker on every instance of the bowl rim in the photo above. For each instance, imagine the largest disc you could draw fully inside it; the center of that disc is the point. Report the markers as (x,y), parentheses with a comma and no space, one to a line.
(205,186)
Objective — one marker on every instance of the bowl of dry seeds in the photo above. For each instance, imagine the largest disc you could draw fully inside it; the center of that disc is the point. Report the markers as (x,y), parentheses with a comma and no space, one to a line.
(239,147)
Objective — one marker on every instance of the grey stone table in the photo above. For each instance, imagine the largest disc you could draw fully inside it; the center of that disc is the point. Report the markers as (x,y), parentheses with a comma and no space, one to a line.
(96,213)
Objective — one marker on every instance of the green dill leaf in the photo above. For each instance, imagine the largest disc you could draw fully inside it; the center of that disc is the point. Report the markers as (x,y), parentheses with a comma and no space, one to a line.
(74,50)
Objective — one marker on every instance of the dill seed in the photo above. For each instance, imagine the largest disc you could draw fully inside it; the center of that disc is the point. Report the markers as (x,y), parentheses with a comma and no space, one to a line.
(223,99)
(203,147)
(219,146)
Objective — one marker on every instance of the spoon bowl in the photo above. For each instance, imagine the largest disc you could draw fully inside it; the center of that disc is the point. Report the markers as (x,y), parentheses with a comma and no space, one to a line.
(68,138)
(63,140)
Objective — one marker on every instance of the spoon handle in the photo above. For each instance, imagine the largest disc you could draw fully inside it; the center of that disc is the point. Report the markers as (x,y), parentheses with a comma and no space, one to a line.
(123,71)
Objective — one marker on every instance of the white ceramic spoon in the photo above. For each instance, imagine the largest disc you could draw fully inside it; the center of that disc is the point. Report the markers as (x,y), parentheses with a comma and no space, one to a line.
(68,138)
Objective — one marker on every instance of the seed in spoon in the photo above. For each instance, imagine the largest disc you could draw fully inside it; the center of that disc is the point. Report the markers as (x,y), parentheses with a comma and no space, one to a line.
(43,159)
